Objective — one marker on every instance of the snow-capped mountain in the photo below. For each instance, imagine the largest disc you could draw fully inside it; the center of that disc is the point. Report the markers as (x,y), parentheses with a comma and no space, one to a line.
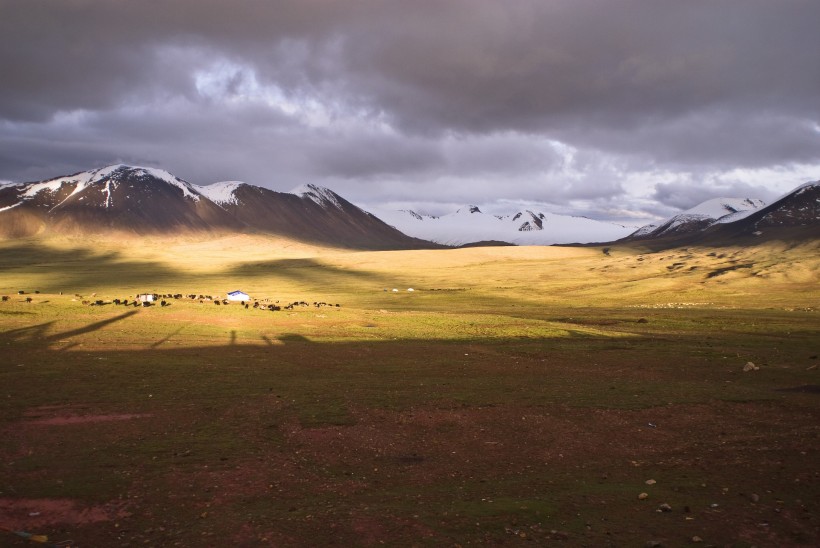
(128,199)
(469,224)
(794,215)
(138,200)
(700,217)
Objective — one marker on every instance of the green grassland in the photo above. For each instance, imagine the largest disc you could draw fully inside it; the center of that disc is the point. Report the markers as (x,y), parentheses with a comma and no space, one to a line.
(516,395)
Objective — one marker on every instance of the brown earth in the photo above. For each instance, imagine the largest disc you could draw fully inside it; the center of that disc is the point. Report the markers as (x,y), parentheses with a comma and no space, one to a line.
(550,468)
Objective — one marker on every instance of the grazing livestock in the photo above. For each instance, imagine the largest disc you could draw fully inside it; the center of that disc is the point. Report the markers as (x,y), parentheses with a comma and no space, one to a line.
(28,299)
(116,302)
(5,298)
(163,303)
(21,292)
(217,303)
(146,304)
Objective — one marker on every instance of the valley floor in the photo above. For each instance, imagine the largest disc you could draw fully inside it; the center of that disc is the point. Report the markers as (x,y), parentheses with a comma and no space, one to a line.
(556,395)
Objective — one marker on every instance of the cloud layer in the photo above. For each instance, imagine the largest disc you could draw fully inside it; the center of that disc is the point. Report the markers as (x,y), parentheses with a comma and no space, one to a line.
(631,106)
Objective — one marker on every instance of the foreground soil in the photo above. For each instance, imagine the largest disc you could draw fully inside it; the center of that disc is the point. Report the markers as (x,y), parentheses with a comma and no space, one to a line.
(329,451)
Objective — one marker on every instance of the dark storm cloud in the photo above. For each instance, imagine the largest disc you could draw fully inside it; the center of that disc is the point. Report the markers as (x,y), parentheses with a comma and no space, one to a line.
(467,92)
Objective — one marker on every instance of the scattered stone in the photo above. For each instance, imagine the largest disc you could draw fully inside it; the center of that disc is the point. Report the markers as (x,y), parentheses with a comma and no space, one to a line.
(697,539)
(643,496)
(750,367)
(653,544)
(664,508)
(811,367)
(650,482)
(754,497)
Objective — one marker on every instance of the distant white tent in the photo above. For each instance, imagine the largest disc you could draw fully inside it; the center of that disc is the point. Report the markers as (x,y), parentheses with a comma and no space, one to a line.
(238,296)
(146,297)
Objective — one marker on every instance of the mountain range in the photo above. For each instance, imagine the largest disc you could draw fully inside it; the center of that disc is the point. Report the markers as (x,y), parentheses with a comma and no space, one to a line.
(128,200)
(469,225)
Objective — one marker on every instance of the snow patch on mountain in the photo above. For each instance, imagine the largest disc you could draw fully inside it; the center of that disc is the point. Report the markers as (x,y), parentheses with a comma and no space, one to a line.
(11,206)
(719,208)
(319,194)
(222,193)
(188,190)
(110,176)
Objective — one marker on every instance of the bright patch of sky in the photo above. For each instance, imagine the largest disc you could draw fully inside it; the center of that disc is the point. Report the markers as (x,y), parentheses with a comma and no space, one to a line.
(228,82)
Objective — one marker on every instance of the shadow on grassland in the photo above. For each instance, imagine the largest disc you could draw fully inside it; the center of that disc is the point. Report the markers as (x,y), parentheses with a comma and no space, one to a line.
(80,268)
(332,379)
(309,271)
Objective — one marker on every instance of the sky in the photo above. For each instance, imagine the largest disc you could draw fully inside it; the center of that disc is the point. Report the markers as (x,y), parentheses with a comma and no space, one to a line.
(624,110)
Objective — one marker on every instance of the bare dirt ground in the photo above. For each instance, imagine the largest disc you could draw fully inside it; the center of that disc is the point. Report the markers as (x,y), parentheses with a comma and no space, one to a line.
(256,470)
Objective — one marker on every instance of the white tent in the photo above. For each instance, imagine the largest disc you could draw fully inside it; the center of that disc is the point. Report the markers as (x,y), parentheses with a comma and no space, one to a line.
(238,296)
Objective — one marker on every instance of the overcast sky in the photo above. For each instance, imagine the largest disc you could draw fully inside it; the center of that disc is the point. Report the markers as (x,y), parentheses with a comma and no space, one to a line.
(614,109)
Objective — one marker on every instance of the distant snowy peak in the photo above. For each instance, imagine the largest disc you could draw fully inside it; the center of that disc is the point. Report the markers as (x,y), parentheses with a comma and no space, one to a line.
(222,193)
(319,194)
(702,216)
(530,220)
(469,225)
(415,215)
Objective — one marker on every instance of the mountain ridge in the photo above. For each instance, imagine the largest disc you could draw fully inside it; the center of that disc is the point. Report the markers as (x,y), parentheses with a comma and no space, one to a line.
(135,200)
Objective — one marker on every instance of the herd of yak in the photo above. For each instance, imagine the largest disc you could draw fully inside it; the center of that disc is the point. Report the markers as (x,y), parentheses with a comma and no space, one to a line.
(147,300)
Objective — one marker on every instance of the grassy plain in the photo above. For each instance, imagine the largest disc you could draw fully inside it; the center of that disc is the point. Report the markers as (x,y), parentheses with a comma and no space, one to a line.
(517,395)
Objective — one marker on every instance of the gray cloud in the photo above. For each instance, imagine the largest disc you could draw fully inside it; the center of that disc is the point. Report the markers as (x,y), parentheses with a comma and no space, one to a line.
(560,102)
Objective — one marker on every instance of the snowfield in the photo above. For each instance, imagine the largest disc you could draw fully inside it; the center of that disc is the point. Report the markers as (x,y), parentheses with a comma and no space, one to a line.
(469,224)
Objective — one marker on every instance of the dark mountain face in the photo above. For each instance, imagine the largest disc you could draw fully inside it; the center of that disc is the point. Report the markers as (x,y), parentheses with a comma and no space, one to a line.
(318,215)
(117,199)
(124,199)
(799,208)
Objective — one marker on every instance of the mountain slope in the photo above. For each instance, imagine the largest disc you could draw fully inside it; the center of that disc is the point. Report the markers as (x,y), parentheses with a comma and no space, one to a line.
(700,217)
(469,224)
(308,213)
